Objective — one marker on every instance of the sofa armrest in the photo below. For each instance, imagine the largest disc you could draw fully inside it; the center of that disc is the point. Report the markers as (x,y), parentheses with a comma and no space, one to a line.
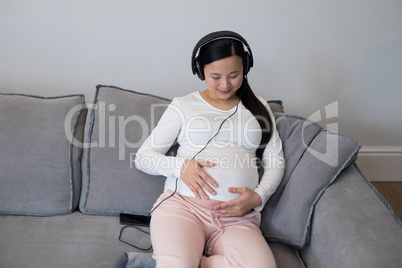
(353,227)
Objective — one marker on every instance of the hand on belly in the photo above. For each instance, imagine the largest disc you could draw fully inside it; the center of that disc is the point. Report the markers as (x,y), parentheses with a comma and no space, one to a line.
(231,177)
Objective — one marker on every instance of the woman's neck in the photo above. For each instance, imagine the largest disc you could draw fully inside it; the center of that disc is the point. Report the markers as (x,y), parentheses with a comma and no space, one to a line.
(222,104)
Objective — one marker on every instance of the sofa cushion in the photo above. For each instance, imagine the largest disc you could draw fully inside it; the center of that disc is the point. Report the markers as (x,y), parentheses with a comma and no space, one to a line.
(313,163)
(296,134)
(40,170)
(75,240)
(116,128)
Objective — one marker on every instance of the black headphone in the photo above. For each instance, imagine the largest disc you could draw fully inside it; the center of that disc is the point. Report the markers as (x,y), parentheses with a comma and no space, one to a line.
(195,62)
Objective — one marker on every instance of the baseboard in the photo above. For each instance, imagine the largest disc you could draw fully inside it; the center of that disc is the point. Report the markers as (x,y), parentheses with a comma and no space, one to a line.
(381,163)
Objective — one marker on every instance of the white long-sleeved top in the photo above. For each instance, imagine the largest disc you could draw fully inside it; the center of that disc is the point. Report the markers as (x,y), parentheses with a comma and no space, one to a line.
(192,121)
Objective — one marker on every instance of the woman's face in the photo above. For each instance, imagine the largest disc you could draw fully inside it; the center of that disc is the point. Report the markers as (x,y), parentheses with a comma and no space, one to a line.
(224,77)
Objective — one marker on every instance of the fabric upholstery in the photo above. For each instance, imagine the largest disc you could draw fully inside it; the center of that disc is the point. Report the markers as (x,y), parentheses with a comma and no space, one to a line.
(65,241)
(118,125)
(312,165)
(354,228)
(40,165)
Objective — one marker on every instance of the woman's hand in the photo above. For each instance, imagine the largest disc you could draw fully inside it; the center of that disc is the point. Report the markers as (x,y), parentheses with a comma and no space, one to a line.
(196,178)
(247,200)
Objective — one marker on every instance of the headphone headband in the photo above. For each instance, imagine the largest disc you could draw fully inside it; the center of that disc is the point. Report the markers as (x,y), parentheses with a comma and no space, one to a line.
(195,66)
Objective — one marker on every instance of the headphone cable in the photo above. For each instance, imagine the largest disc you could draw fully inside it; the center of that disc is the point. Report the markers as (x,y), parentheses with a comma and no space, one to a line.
(213,136)
(176,182)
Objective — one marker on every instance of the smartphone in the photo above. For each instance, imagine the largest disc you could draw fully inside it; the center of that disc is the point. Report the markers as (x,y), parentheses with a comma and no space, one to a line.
(137,220)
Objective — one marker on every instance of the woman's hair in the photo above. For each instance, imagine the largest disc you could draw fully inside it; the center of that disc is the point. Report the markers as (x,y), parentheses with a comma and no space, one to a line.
(223,48)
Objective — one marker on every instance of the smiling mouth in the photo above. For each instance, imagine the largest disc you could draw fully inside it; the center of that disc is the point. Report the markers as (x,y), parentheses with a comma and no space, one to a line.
(224,92)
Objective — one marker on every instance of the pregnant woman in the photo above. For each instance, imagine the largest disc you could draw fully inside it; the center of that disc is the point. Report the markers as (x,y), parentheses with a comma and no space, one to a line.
(209,213)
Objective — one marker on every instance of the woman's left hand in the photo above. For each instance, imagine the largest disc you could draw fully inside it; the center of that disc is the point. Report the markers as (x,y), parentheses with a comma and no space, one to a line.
(247,200)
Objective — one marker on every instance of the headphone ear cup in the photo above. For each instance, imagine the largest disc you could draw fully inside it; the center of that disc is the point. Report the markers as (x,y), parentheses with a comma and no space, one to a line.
(246,63)
(199,69)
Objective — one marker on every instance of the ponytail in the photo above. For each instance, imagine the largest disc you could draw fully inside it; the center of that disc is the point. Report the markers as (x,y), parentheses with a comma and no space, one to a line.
(260,112)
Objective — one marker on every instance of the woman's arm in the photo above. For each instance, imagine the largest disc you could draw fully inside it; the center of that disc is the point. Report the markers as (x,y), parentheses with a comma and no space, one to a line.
(151,156)
(273,164)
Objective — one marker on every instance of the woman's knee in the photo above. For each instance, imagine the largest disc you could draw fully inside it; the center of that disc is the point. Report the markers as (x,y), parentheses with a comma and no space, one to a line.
(176,260)
(178,240)
(238,260)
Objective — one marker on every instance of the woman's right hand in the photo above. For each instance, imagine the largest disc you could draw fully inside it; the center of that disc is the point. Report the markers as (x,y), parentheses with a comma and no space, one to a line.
(196,178)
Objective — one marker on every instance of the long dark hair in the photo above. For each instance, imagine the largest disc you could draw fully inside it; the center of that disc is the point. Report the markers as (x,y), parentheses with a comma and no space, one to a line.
(223,48)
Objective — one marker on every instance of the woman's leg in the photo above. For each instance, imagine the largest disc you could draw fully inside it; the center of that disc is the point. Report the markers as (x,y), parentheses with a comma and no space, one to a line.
(177,237)
(240,245)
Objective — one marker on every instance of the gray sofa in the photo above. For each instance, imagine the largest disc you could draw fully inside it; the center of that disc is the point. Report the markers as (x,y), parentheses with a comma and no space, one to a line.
(67,171)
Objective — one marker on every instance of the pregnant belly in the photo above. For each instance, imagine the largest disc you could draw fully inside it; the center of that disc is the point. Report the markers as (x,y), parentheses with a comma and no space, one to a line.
(234,167)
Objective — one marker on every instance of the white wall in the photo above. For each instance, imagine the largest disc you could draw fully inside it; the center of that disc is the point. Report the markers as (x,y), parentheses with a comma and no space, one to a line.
(307,53)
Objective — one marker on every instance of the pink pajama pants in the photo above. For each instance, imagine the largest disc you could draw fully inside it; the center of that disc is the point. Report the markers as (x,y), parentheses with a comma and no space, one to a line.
(186,235)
